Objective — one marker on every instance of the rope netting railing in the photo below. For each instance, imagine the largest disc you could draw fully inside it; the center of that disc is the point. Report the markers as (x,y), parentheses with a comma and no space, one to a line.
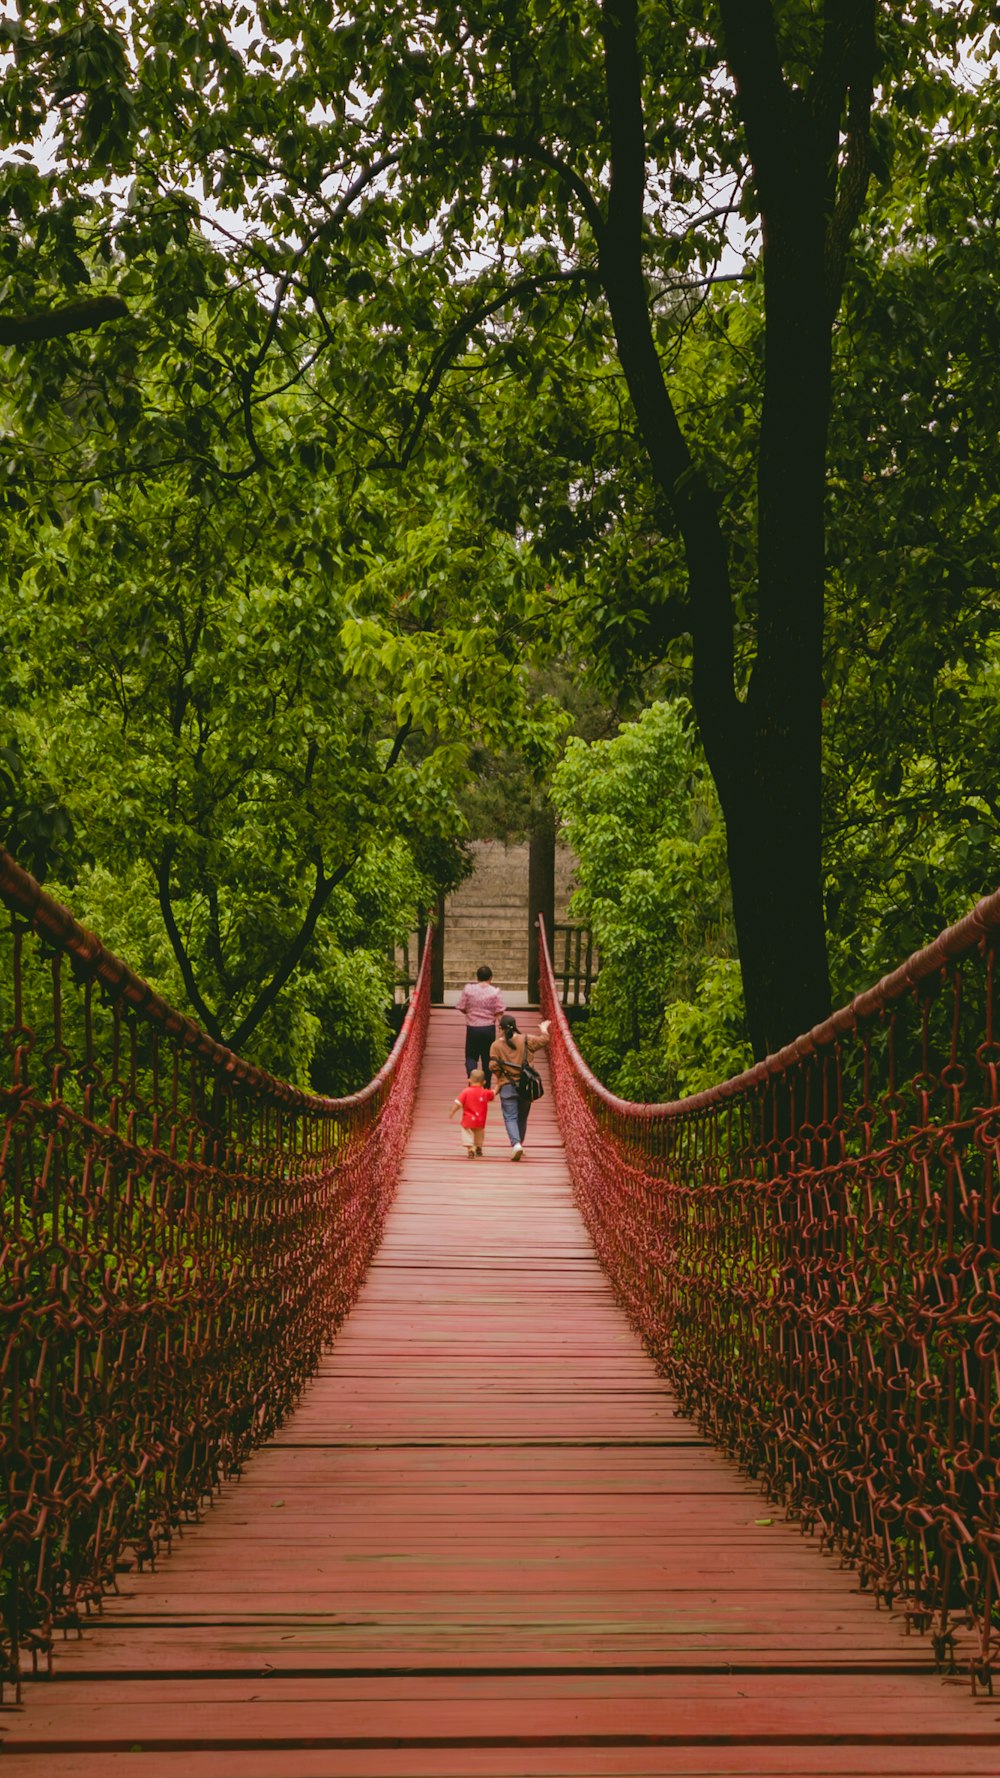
(181,1233)
(811,1252)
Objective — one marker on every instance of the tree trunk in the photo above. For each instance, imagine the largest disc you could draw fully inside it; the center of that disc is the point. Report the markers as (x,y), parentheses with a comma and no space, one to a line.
(541,888)
(778,913)
(771,794)
(765,752)
(437,954)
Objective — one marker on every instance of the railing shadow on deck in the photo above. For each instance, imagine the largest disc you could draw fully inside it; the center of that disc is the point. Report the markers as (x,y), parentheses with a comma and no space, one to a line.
(181,1233)
(811,1252)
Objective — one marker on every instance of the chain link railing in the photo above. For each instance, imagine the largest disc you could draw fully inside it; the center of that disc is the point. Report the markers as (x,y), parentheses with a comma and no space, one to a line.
(811,1251)
(181,1233)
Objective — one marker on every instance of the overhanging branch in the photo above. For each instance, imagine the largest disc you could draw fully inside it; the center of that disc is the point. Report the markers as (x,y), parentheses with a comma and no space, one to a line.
(56,324)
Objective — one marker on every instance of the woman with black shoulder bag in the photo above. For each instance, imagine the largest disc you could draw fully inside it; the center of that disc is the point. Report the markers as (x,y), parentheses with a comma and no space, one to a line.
(516,1080)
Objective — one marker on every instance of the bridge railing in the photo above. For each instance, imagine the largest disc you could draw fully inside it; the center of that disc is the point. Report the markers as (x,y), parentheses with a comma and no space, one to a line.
(181,1233)
(811,1251)
(574,963)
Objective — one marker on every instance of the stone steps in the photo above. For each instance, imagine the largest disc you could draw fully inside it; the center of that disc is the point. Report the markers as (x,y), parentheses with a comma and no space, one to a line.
(486,919)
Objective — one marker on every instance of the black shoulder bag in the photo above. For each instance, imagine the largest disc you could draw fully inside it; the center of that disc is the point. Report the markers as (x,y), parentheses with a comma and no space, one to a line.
(529,1081)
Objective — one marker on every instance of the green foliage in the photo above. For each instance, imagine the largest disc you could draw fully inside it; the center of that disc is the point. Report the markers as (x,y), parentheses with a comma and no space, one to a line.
(361,450)
(705,1037)
(429,241)
(256,710)
(913,716)
(33,823)
(640,813)
(328,1030)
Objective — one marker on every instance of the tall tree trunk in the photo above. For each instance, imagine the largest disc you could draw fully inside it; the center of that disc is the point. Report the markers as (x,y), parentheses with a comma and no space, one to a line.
(772,801)
(541,887)
(437,954)
(765,752)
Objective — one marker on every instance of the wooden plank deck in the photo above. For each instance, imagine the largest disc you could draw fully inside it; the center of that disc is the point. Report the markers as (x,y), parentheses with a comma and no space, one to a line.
(486,1545)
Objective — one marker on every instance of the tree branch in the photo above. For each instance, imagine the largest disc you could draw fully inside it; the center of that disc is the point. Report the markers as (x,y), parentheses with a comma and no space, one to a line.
(248,375)
(679,480)
(529,285)
(358,185)
(708,282)
(402,736)
(522,148)
(214,943)
(200,1006)
(842,21)
(323,888)
(860,54)
(55,324)
(765,102)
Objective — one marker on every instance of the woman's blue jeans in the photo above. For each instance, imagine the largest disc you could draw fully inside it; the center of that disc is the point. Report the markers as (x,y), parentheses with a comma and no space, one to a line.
(515,1112)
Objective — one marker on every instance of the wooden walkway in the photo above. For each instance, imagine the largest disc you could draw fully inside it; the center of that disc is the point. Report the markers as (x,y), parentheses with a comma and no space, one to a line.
(485,1545)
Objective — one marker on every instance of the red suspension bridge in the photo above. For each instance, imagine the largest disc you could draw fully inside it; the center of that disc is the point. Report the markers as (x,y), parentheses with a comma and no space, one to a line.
(539,1507)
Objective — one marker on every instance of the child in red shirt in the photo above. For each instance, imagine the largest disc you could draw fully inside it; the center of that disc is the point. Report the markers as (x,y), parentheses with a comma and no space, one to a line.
(473,1102)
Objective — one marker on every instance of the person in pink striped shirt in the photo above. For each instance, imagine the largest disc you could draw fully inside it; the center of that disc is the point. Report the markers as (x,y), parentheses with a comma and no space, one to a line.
(482,1005)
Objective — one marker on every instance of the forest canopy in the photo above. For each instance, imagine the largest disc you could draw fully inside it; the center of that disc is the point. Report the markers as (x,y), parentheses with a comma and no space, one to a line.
(389,390)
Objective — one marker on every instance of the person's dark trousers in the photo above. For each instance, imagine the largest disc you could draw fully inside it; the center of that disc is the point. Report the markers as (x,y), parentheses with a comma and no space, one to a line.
(478,1039)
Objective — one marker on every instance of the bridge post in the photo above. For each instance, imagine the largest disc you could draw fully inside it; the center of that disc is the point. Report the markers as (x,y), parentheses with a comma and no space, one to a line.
(541,887)
(437,955)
